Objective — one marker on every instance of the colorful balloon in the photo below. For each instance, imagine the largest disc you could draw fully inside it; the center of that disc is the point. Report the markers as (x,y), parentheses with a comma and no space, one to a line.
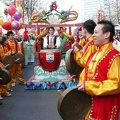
(19,9)
(11,10)
(1,21)
(17,15)
(7,26)
(15,25)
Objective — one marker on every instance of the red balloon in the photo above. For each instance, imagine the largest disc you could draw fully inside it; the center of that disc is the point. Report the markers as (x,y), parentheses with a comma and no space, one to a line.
(7,26)
(20,26)
(11,10)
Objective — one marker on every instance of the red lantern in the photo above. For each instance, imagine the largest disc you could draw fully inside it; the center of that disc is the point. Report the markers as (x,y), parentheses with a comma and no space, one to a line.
(7,26)
(11,10)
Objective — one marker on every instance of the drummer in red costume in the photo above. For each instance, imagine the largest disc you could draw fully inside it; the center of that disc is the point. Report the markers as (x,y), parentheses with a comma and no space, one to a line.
(51,41)
(100,77)
(81,55)
(5,50)
(17,67)
(89,47)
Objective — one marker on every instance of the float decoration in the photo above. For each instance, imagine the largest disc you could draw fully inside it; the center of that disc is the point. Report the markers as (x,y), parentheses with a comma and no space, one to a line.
(63,16)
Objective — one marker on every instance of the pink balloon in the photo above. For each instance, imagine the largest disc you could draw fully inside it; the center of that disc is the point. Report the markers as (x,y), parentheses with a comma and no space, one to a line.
(11,10)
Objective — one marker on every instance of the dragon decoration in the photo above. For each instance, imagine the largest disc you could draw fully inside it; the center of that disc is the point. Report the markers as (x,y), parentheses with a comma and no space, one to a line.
(63,16)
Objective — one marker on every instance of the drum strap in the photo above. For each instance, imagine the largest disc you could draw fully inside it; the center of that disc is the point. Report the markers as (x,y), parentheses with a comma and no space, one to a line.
(53,40)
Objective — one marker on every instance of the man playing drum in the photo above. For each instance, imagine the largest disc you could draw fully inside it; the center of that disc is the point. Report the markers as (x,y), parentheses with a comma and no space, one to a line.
(89,47)
(100,77)
(17,67)
(4,50)
(81,55)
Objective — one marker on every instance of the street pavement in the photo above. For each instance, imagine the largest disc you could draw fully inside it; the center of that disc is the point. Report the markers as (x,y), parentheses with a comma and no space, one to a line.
(30,104)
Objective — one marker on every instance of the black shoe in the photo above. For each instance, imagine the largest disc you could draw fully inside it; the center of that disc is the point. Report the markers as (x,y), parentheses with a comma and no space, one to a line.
(22,83)
(1,103)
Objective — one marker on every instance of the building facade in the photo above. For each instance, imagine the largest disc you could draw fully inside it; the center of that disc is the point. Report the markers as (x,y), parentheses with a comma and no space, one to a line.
(91,8)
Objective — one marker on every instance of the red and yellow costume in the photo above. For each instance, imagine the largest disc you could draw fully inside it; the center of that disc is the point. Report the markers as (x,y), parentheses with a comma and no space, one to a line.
(82,56)
(17,67)
(4,50)
(81,42)
(102,81)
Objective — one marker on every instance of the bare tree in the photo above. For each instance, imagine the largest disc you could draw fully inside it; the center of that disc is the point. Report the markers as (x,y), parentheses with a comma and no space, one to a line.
(29,6)
(112,10)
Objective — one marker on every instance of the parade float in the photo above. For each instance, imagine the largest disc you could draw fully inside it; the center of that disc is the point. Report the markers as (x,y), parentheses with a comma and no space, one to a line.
(52,72)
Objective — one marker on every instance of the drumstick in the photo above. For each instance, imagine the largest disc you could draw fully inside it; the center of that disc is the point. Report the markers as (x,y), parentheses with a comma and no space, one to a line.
(60,92)
(6,65)
(17,59)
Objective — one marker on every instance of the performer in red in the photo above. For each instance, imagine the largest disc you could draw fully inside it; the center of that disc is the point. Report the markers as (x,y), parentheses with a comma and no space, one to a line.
(25,43)
(16,69)
(100,77)
(25,36)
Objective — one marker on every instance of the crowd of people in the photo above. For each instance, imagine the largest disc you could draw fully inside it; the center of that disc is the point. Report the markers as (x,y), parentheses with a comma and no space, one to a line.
(100,77)
(9,46)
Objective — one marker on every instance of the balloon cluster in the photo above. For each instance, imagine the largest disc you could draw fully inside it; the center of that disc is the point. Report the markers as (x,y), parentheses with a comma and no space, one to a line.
(16,15)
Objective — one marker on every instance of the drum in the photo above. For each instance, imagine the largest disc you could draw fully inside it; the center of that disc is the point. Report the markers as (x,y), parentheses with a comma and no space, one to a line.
(8,61)
(50,59)
(4,76)
(73,104)
(19,58)
(71,65)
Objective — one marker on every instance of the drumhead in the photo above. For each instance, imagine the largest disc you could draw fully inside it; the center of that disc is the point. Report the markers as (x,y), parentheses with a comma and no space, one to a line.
(71,65)
(4,74)
(50,50)
(19,57)
(8,61)
(74,104)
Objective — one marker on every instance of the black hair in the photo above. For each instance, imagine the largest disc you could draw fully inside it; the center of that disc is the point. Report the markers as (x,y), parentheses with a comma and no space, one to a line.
(89,25)
(10,33)
(3,40)
(108,27)
(52,28)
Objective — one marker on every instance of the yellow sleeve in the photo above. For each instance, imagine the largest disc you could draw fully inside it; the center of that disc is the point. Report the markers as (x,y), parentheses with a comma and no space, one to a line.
(18,48)
(1,64)
(81,58)
(109,86)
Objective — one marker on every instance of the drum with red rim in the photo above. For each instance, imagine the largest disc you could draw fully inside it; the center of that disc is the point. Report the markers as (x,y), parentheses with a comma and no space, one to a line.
(50,59)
